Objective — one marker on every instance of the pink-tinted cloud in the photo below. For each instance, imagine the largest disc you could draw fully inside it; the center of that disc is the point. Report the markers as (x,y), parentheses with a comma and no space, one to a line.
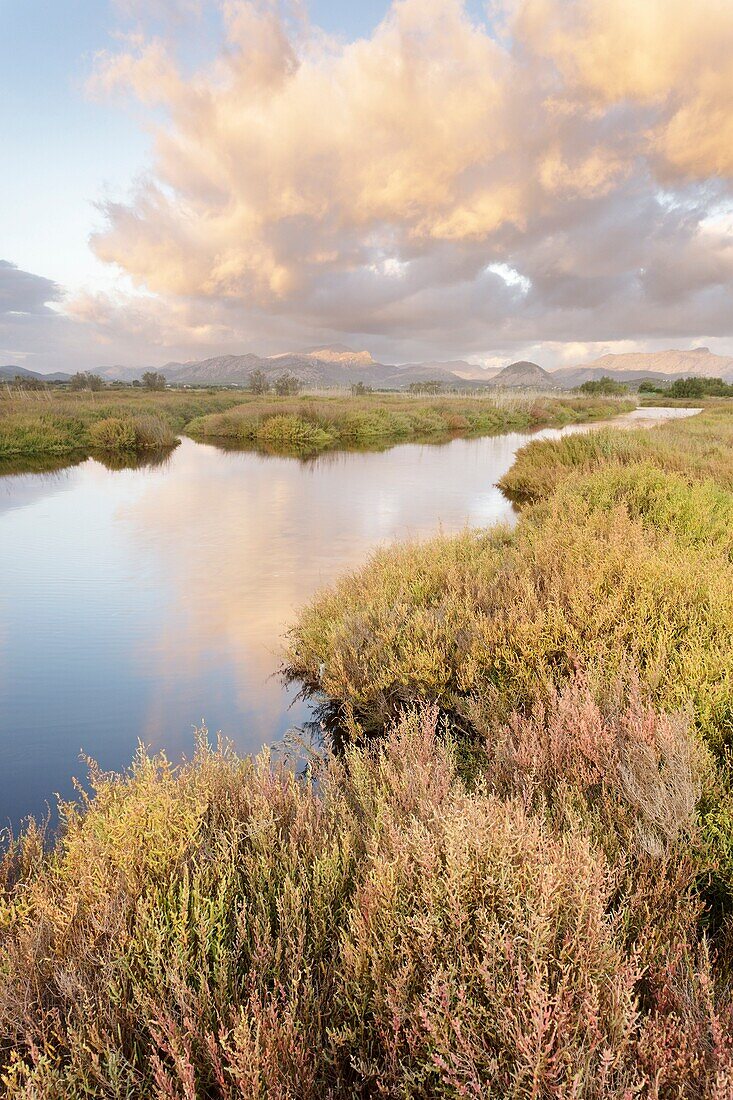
(558,173)
(373,186)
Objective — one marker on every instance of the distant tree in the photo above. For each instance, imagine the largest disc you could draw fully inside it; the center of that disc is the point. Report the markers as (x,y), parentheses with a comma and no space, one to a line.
(360,389)
(287,385)
(153,380)
(258,382)
(28,382)
(84,380)
(700,387)
(137,383)
(430,386)
(605,387)
(647,386)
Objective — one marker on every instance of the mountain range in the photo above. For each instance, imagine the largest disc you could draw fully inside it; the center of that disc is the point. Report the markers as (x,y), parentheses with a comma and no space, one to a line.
(635,366)
(8,373)
(338,365)
(331,365)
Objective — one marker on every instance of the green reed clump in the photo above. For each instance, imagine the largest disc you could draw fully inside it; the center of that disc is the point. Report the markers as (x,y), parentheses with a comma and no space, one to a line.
(226,929)
(40,435)
(138,433)
(287,432)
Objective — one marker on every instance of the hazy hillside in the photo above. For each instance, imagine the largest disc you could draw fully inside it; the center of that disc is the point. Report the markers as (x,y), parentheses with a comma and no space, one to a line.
(570,377)
(9,372)
(637,365)
(331,365)
(337,365)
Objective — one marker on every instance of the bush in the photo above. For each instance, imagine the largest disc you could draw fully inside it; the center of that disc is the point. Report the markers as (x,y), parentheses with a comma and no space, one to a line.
(258,383)
(152,432)
(291,432)
(697,447)
(496,620)
(605,386)
(83,380)
(227,930)
(153,380)
(113,434)
(699,387)
(130,433)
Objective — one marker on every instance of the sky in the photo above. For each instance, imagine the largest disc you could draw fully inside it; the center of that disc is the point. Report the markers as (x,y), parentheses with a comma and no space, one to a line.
(427,179)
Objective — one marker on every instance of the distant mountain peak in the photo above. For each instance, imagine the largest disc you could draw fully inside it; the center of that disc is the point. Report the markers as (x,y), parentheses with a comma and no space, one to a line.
(337,353)
(524,373)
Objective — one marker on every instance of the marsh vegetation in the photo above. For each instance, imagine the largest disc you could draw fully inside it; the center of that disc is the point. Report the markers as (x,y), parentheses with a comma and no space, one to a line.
(45,423)
(516,878)
(312,423)
(66,422)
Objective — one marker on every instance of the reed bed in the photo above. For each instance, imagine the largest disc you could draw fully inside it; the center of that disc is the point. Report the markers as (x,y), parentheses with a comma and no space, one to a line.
(311,424)
(36,424)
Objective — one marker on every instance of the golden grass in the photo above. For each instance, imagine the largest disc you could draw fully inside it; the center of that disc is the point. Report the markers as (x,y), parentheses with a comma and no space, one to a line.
(697,447)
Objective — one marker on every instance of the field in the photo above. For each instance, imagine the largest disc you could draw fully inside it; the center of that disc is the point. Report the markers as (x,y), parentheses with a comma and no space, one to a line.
(513,880)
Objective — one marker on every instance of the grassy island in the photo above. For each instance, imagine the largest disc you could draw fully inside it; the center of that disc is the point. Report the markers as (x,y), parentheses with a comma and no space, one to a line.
(311,424)
(515,880)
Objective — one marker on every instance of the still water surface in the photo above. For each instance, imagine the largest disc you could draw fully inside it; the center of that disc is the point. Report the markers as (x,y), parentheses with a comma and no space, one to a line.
(136,603)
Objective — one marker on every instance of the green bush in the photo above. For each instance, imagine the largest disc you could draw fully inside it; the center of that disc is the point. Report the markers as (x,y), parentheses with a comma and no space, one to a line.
(605,386)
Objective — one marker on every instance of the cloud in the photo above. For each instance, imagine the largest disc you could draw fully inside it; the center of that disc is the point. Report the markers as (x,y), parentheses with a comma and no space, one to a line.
(304,189)
(369,187)
(22,293)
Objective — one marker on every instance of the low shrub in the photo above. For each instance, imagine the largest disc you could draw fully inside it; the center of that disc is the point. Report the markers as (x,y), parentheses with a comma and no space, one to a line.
(113,434)
(388,929)
(291,432)
(130,433)
(698,447)
(152,432)
(40,435)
